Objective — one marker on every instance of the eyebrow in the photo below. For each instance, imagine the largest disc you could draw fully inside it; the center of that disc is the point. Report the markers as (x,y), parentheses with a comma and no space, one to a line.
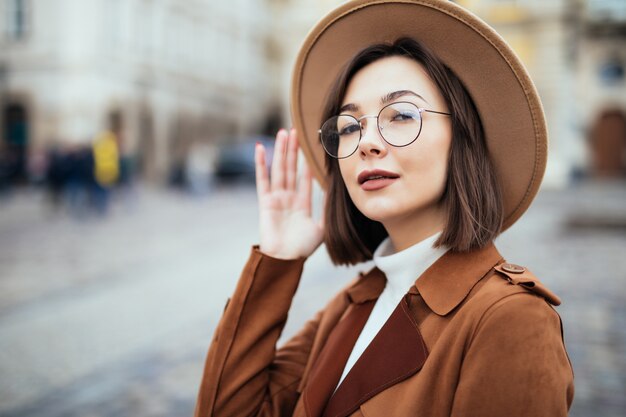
(384,100)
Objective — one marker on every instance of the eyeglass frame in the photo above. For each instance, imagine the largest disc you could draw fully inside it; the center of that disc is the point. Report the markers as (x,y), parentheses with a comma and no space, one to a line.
(420,110)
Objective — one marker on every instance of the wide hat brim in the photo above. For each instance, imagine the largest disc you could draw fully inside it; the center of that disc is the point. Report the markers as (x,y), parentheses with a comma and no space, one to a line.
(506,99)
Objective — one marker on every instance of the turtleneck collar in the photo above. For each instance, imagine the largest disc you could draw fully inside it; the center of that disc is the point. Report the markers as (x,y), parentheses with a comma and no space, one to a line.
(404,267)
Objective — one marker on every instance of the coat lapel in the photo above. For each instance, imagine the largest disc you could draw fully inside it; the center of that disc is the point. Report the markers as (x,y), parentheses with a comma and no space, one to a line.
(397,352)
(333,357)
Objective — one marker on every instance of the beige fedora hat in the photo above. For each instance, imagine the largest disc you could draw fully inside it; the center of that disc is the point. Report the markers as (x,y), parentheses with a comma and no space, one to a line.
(506,99)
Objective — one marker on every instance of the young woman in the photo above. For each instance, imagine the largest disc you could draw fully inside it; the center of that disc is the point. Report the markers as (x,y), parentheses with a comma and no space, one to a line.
(430,141)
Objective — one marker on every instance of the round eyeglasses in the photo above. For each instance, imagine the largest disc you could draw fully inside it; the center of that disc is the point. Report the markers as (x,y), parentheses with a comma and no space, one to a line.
(399,123)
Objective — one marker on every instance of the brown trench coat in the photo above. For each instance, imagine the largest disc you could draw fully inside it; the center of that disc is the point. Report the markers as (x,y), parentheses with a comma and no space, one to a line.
(470,338)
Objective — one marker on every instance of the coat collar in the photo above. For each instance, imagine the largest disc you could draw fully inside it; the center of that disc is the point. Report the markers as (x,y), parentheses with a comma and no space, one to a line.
(388,359)
(443,286)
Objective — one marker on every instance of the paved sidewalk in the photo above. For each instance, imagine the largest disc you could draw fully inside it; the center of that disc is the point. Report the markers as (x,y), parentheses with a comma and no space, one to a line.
(112,317)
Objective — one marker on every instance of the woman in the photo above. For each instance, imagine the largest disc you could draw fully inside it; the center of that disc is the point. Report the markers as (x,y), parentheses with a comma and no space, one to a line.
(430,141)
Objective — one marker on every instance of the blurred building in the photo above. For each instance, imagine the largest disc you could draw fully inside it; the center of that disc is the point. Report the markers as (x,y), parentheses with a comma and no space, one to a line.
(575,51)
(292,21)
(162,74)
(601,83)
(167,74)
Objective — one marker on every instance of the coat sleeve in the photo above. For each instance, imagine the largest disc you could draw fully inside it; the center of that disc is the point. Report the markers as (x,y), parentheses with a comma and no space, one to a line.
(516,363)
(244,375)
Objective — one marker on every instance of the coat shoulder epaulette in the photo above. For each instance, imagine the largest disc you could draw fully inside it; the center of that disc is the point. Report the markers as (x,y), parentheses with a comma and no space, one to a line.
(519,275)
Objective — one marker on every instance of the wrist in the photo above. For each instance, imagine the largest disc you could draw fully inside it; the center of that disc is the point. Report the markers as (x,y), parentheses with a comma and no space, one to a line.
(282,256)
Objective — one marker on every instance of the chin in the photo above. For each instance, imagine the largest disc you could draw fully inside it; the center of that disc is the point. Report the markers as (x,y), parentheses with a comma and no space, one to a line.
(378,213)
(378,205)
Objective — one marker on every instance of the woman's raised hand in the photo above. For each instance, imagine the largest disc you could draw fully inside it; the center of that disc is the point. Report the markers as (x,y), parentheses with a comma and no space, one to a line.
(287,228)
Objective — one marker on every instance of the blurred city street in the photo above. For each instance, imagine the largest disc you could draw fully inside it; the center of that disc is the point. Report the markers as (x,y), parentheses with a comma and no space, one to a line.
(112,316)
(127,204)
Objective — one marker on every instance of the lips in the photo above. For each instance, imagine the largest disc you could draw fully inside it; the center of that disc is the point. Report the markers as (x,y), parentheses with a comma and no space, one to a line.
(376,174)
(377,184)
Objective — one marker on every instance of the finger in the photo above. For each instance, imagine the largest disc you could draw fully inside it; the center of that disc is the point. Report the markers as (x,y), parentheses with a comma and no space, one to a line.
(292,160)
(262,178)
(305,190)
(322,221)
(277,178)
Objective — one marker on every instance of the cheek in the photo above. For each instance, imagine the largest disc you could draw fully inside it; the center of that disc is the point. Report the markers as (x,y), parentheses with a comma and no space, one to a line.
(439,165)
(348,169)
(426,170)
(361,200)
(437,152)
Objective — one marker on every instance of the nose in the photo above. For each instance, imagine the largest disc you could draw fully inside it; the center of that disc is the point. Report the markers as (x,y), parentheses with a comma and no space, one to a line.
(371,143)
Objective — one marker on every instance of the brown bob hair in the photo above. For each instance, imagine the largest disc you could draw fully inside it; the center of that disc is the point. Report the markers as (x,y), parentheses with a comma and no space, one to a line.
(472,198)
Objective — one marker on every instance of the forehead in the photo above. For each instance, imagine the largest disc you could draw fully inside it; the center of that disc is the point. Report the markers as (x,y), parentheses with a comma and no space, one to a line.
(385,75)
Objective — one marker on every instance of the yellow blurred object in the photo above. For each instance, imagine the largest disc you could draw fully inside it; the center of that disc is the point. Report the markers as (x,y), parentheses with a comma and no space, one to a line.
(497,12)
(106,158)
(506,13)
(523,47)
(468,4)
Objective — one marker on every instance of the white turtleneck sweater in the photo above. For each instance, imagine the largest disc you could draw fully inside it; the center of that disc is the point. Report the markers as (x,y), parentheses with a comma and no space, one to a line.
(401,270)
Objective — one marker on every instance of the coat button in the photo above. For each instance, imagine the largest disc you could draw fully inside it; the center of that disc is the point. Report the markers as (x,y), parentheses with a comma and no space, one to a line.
(515,269)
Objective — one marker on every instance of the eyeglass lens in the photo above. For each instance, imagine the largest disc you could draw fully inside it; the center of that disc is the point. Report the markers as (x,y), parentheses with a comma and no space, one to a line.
(398,123)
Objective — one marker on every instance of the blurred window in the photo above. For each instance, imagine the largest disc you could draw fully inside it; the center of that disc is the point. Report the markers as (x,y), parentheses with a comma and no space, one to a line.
(18,17)
(614,10)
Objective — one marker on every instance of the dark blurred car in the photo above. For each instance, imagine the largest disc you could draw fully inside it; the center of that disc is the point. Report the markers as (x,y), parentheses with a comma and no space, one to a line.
(235,160)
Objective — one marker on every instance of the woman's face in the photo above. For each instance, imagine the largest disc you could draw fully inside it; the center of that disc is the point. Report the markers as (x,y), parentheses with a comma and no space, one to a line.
(421,167)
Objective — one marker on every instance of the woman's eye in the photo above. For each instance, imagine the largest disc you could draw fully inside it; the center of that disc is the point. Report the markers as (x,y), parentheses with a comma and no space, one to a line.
(349,129)
(398,117)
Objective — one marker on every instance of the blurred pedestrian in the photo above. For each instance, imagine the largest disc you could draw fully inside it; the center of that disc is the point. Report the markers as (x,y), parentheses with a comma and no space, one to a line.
(78,168)
(56,175)
(106,169)
(428,136)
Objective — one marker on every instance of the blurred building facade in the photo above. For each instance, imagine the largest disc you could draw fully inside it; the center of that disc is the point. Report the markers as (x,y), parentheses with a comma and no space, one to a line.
(575,51)
(162,74)
(167,74)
